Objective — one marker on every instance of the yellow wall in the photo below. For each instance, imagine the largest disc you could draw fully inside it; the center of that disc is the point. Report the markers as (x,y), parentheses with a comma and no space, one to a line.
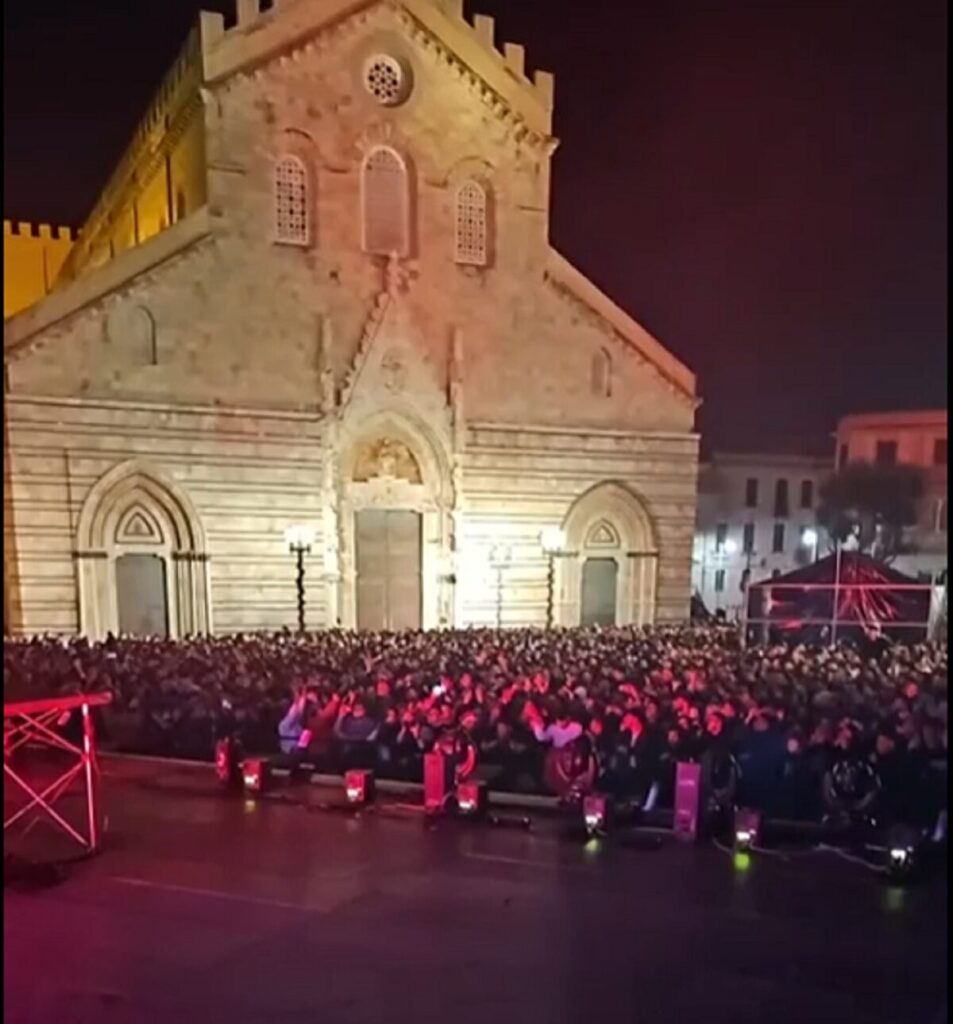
(32,258)
(165,157)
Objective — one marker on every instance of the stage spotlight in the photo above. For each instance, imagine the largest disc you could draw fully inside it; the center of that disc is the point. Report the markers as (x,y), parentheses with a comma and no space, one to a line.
(471,799)
(359,786)
(899,860)
(228,768)
(256,774)
(747,828)
(595,813)
(902,844)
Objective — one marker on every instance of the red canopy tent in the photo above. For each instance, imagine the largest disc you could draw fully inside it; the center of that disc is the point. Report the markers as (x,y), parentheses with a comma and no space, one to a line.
(844,594)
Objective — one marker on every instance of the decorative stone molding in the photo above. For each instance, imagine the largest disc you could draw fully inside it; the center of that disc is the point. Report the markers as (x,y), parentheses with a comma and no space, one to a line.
(386,459)
(372,326)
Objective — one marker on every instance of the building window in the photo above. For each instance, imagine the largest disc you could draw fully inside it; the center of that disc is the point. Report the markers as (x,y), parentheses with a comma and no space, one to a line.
(471,236)
(386,79)
(721,536)
(291,202)
(719,581)
(807,494)
(886,453)
(939,452)
(180,205)
(751,492)
(781,499)
(601,383)
(386,203)
(842,457)
(747,543)
(777,539)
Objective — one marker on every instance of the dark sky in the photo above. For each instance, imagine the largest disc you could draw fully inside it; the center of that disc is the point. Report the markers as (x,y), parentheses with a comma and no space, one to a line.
(762,184)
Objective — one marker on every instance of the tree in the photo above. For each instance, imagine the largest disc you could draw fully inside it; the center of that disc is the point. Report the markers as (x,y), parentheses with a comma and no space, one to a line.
(872,503)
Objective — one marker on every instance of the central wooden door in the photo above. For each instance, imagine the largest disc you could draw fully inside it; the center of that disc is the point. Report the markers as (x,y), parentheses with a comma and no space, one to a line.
(388,556)
(142,595)
(599,583)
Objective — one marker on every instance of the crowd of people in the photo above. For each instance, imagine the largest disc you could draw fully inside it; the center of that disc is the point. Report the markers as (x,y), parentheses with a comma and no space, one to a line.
(790,729)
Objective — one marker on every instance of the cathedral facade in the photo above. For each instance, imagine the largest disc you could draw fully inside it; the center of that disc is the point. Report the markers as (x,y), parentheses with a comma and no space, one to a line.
(319,292)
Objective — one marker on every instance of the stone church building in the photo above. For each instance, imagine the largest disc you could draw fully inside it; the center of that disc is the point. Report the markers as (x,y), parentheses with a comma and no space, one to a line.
(319,291)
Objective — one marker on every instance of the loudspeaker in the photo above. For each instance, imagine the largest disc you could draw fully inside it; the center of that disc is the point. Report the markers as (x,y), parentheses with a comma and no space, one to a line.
(688,784)
(438,782)
(228,768)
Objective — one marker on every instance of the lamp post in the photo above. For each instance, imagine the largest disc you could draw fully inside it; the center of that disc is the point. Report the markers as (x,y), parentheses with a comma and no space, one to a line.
(552,540)
(500,557)
(299,540)
(810,539)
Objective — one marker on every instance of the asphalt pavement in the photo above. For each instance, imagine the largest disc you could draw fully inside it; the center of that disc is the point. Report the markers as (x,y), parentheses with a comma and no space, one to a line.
(210,908)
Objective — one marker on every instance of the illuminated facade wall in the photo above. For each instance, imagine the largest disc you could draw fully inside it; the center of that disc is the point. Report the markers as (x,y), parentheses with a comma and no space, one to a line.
(161,176)
(33,256)
(231,374)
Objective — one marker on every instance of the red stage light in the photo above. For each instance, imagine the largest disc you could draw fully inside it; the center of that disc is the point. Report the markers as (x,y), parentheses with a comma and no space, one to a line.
(359,786)
(256,775)
(471,798)
(595,812)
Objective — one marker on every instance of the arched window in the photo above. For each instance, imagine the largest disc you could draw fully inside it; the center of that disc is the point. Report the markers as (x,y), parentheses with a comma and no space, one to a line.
(386,203)
(292,218)
(602,374)
(471,235)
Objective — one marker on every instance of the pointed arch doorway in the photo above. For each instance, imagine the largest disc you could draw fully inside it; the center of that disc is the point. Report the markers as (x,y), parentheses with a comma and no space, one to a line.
(142,562)
(612,578)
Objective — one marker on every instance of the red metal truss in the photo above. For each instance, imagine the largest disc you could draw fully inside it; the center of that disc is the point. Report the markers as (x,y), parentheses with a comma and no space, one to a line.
(32,722)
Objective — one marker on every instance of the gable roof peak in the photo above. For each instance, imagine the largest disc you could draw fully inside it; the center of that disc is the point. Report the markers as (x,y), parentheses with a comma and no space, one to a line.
(257,34)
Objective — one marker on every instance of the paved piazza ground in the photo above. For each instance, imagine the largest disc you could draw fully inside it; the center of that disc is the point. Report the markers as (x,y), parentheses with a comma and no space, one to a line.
(209,909)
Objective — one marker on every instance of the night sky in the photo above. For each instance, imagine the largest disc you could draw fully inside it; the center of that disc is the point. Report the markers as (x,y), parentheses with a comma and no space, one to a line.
(761,184)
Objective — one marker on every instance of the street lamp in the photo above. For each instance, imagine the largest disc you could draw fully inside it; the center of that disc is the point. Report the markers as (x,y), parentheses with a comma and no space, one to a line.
(552,540)
(500,557)
(299,539)
(730,546)
(810,538)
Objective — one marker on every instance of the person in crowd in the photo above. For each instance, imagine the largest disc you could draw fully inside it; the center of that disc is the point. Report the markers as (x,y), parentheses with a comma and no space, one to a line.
(293,726)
